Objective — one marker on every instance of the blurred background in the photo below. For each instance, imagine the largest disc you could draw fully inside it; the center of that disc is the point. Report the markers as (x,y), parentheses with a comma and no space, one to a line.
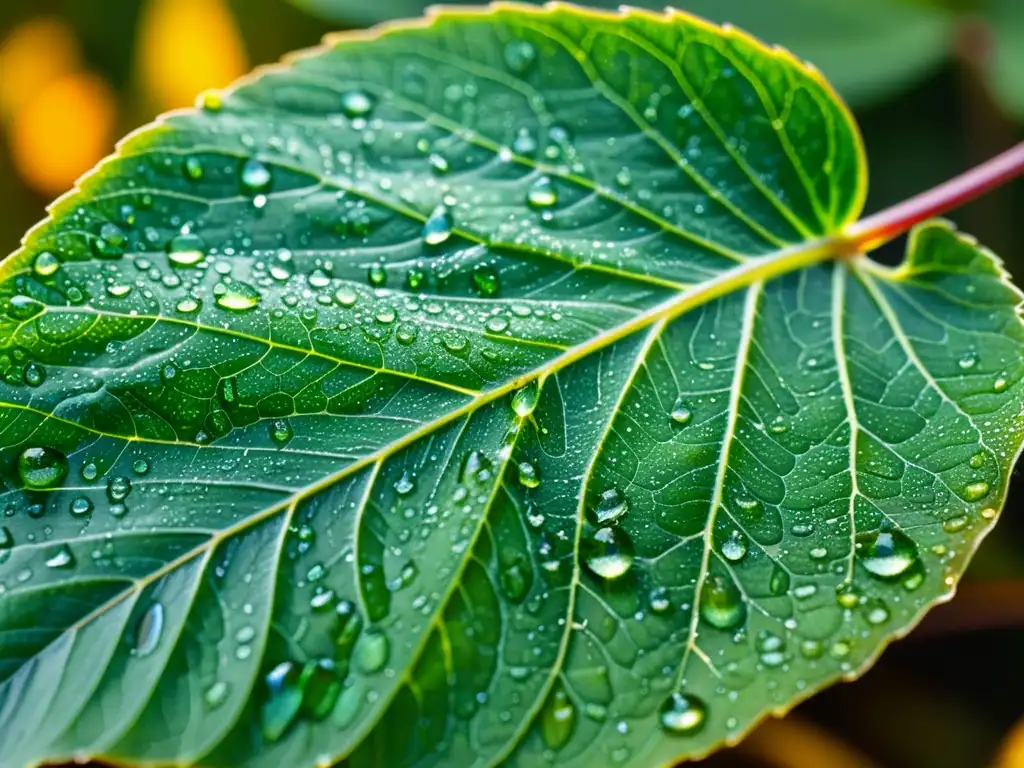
(938,85)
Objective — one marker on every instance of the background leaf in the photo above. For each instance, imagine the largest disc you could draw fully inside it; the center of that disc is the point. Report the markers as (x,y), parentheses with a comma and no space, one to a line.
(281,344)
(868,50)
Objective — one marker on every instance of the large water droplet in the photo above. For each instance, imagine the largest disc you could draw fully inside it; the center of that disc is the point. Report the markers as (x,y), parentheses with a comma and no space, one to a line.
(118,488)
(608,553)
(186,250)
(542,193)
(283,703)
(236,296)
(356,103)
(149,630)
(682,714)
(320,686)
(438,228)
(886,554)
(721,604)
(525,399)
(734,548)
(611,507)
(372,651)
(256,176)
(680,413)
(41,467)
(45,264)
(62,558)
(558,719)
(976,491)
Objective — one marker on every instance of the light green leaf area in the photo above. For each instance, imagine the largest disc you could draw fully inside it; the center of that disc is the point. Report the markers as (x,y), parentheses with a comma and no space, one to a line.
(869,49)
(482,392)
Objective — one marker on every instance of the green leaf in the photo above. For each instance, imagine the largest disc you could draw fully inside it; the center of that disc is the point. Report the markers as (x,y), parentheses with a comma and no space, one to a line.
(1007,58)
(869,49)
(482,391)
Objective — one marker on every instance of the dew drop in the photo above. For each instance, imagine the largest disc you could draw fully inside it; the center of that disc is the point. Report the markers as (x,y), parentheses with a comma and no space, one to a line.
(118,488)
(611,507)
(525,399)
(41,468)
(35,374)
(529,476)
(372,651)
(149,630)
(734,548)
(405,484)
(976,491)
(320,686)
(216,694)
(81,506)
(886,554)
(608,553)
(682,714)
(45,264)
(542,193)
(236,296)
(438,228)
(283,702)
(680,413)
(62,558)
(778,582)
(356,103)
(520,55)
(721,604)
(558,719)
(281,432)
(486,280)
(256,176)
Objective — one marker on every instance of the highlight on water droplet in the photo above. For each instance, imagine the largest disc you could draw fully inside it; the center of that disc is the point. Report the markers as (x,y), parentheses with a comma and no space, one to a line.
(62,558)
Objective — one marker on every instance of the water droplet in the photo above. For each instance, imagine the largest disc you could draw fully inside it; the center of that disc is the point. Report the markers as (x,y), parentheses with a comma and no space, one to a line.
(771,649)
(118,488)
(976,491)
(721,604)
(35,374)
(376,275)
(186,250)
(149,630)
(977,461)
(237,296)
(658,600)
(256,176)
(611,507)
(955,524)
(283,703)
(558,719)
(320,686)
(778,582)
(455,343)
(81,506)
(520,56)
(281,431)
(41,468)
(406,333)
(525,399)
(886,554)
(140,466)
(542,193)
(216,694)
(187,305)
(680,413)
(1000,384)
(515,579)
(372,651)
(496,325)
(682,714)
(62,558)
(734,548)
(608,553)
(968,361)
(45,264)
(485,280)
(529,477)
(405,484)
(876,612)
(6,539)
(356,103)
(438,228)
(90,471)
(847,596)
(193,168)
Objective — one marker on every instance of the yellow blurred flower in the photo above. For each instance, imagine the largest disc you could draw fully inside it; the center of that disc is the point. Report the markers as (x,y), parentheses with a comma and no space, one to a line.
(185,47)
(63,130)
(34,55)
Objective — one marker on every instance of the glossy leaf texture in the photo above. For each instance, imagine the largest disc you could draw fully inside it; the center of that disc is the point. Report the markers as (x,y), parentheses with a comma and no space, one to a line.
(482,391)
(870,50)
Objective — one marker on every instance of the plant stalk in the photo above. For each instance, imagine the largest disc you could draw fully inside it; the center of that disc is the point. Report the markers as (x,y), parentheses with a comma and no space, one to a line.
(873,231)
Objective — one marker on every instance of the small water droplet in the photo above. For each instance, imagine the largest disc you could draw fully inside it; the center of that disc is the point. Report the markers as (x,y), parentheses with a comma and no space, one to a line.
(118,488)
(682,714)
(680,413)
(734,548)
(356,103)
(542,193)
(520,55)
(216,694)
(486,280)
(372,651)
(405,484)
(35,374)
(81,506)
(968,361)
(529,476)
(778,582)
(281,431)
(283,702)
(62,558)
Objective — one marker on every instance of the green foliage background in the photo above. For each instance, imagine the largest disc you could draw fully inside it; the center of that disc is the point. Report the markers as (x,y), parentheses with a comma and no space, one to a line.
(945,697)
